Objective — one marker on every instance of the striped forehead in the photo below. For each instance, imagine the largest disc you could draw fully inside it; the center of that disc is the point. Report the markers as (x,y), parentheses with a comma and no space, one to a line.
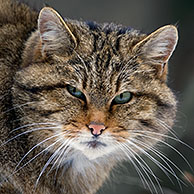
(100,69)
(104,70)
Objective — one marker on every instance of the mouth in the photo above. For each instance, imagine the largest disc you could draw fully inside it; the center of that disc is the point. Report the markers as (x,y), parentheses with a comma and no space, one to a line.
(94,147)
(95,144)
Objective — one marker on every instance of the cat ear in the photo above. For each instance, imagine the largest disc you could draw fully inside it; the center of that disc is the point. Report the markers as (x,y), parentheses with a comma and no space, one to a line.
(157,48)
(55,35)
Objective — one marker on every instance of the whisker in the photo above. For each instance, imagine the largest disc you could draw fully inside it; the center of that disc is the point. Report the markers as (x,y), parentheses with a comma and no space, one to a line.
(143,179)
(49,161)
(32,124)
(166,136)
(39,154)
(64,149)
(26,132)
(162,167)
(147,169)
(167,144)
(53,136)
(163,157)
(34,158)
(164,125)
(17,106)
(89,136)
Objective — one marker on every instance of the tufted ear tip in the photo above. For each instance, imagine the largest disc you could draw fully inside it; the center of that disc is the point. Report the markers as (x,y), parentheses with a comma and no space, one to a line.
(157,48)
(46,20)
(55,34)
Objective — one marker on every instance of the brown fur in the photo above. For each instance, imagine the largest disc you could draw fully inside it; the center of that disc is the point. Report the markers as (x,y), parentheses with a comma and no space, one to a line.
(102,61)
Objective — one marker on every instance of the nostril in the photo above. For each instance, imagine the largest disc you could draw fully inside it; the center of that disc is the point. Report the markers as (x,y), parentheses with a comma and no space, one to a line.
(94,133)
(96,128)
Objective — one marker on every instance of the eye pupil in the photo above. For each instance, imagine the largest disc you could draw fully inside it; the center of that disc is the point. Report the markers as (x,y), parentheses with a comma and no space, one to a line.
(122,98)
(75,92)
(121,95)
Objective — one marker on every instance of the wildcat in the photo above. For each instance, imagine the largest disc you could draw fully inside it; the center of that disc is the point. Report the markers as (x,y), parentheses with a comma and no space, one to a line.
(77,98)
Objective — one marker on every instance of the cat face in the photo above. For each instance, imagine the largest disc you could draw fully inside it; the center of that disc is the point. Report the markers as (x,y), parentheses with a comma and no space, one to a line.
(95,89)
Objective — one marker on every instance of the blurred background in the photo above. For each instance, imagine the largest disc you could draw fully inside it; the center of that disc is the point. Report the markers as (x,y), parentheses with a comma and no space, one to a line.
(147,16)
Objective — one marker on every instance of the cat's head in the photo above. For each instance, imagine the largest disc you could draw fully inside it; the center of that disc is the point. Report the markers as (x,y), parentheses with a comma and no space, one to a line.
(98,89)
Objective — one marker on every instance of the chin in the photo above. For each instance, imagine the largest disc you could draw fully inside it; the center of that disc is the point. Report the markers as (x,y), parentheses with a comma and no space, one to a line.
(95,148)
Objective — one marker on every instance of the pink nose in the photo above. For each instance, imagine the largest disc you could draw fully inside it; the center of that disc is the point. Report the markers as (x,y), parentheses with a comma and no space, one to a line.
(96,128)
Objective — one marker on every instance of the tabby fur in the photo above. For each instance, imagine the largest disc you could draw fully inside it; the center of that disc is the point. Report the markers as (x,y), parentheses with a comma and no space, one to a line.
(40,54)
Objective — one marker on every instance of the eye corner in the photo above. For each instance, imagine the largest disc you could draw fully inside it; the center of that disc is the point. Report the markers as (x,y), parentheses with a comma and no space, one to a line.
(122,98)
(76,92)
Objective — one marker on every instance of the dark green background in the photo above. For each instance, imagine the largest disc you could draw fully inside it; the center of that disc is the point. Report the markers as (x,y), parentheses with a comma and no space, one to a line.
(148,15)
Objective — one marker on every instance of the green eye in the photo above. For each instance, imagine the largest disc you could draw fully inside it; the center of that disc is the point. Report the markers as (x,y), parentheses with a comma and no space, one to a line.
(122,98)
(75,92)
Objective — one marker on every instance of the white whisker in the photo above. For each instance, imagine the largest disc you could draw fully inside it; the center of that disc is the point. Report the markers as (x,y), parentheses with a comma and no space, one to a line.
(26,132)
(147,169)
(17,106)
(160,165)
(170,130)
(36,147)
(34,157)
(161,141)
(30,125)
(38,154)
(49,161)
(143,179)
(64,146)
(165,136)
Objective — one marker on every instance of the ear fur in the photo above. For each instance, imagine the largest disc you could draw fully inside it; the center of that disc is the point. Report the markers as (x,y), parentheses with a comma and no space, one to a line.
(157,48)
(56,36)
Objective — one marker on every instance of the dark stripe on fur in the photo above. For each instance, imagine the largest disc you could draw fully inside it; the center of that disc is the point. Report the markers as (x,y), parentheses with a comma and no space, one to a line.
(44,113)
(38,89)
(146,123)
(156,98)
